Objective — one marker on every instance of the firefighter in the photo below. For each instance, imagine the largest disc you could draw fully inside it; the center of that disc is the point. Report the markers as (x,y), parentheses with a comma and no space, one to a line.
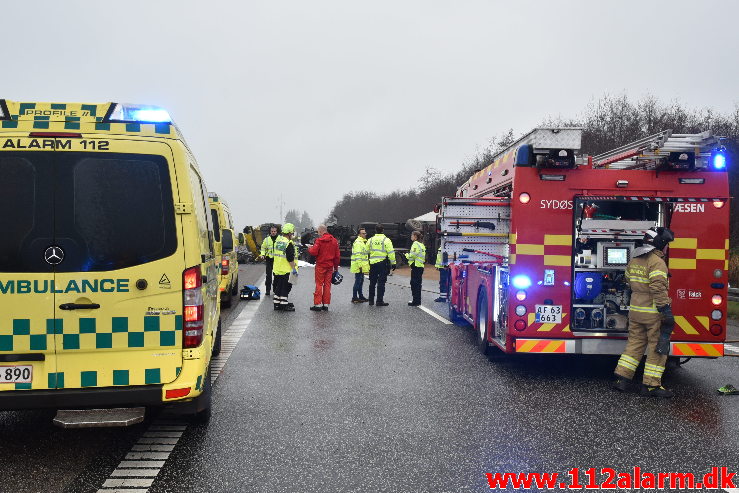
(443,277)
(416,258)
(381,260)
(359,265)
(268,254)
(284,264)
(650,316)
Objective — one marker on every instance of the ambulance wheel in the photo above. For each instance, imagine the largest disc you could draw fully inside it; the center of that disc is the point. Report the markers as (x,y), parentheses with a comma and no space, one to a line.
(235,289)
(217,342)
(481,323)
(204,404)
(226,298)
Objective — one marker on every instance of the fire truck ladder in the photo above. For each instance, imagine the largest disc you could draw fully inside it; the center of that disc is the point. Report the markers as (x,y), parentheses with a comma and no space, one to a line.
(648,152)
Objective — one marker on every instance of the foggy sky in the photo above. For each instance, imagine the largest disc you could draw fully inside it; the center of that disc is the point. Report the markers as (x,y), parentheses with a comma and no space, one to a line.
(313,99)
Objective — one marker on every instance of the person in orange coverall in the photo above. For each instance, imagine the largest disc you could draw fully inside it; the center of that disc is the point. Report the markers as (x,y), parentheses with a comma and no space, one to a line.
(326,251)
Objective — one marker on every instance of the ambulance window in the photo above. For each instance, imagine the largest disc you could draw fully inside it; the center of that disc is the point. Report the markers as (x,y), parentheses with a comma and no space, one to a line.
(121,214)
(25,224)
(216,225)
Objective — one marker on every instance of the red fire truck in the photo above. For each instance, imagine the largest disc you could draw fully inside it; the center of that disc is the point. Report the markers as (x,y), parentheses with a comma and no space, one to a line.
(538,241)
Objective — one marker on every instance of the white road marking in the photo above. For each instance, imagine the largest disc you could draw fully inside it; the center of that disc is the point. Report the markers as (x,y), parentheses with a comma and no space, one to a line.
(435,315)
(138,470)
(733,349)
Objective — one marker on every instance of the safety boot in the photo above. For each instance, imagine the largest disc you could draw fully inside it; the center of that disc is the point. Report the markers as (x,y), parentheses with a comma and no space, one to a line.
(656,391)
(621,384)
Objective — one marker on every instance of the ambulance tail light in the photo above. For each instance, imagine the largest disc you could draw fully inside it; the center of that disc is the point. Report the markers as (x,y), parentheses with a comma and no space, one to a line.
(176,393)
(224,265)
(192,301)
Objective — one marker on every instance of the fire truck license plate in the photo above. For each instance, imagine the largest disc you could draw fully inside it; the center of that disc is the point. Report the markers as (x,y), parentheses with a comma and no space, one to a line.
(549,314)
(16,374)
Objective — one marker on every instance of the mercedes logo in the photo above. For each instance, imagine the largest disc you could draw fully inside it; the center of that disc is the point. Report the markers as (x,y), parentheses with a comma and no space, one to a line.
(54,255)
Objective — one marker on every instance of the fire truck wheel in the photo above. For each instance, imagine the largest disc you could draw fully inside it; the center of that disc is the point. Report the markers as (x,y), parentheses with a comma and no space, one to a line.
(481,323)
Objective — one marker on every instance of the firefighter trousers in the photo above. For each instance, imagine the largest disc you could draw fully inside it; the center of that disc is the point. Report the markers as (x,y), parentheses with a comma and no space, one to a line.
(642,336)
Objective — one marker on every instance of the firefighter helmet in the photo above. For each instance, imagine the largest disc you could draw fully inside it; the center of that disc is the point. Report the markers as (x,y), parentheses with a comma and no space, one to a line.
(658,237)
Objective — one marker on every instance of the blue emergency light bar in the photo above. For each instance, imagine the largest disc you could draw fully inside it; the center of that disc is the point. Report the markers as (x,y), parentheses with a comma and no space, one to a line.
(718,158)
(137,113)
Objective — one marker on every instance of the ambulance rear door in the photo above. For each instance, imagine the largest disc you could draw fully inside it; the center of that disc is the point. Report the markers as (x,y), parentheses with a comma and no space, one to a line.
(27,352)
(118,305)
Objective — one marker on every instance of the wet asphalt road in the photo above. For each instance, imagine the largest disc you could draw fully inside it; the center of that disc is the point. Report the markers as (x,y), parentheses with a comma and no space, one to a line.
(364,398)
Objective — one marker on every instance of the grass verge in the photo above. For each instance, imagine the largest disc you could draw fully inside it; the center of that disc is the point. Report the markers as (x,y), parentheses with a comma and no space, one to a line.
(734,310)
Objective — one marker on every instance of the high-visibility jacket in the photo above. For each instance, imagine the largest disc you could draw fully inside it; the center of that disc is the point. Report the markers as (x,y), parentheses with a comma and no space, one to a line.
(380,248)
(417,256)
(647,277)
(281,265)
(268,247)
(439,260)
(360,256)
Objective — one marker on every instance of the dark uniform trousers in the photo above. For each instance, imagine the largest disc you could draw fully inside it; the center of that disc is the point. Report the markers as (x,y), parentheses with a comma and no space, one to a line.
(416,281)
(378,277)
(282,289)
(268,263)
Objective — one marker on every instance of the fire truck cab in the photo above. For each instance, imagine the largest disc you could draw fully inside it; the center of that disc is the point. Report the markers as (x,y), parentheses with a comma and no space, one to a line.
(537,242)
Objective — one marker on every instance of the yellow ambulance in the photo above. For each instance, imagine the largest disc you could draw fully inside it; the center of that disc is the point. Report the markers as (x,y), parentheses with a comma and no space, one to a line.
(225,246)
(108,269)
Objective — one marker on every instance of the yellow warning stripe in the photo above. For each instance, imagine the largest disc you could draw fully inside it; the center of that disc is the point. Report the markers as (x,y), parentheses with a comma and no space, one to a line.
(529,249)
(703,321)
(564,240)
(558,260)
(683,323)
(540,346)
(697,349)
(686,243)
(710,254)
(682,263)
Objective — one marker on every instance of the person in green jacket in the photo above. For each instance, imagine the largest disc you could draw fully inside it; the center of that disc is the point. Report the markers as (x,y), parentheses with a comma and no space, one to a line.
(381,260)
(416,259)
(359,265)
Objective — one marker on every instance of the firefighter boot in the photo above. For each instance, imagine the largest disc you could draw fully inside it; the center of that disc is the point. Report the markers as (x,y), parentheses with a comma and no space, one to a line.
(621,384)
(655,391)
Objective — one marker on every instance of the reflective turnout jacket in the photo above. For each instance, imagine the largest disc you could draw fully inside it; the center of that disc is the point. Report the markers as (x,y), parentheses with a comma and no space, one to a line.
(268,247)
(647,277)
(360,256)
(380,248)
(417,256)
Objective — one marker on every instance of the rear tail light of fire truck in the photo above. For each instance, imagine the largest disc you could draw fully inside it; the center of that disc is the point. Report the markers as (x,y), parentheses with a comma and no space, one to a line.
(192,301)
(716,330)
(519,325)
(521,295)
(717,299)
(524,198)
(520,310)
(717,315)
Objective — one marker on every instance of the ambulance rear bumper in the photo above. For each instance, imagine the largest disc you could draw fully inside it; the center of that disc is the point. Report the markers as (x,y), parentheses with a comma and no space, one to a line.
(143,395)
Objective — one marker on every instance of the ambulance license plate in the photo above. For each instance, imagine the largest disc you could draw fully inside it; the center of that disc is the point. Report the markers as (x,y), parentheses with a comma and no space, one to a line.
(549,314)
(16,374)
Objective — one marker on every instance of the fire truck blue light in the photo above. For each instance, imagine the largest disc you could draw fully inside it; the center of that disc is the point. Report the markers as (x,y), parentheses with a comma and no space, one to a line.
(719,160)
(521,281)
